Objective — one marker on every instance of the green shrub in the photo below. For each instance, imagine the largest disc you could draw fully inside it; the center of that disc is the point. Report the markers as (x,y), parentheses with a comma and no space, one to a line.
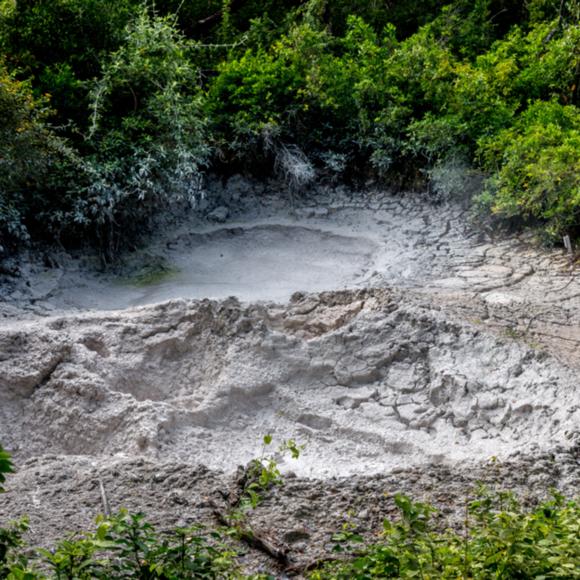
(379,109)
(499,540)
(147,142)
(59,44)
(473,102)
(145,148)
(12,560)
(125,545)
(5,466)
(535,167)
(31,159)
(291,91)
(408,86)
(537,64)
(341,87)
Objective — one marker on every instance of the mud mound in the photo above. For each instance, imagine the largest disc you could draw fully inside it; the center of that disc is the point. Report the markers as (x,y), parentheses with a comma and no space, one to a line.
(368,380)
(342,240)
(433,349)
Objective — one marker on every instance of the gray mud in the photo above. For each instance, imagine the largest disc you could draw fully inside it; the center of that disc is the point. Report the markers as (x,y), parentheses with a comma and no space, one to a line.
(384,333)
(368,380)
(269,249)
(301,517)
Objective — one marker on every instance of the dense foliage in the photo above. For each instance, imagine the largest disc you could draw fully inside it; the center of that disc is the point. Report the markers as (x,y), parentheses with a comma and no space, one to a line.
(31,156)
(147,136)
(122,546)
(499,540)
(111,110)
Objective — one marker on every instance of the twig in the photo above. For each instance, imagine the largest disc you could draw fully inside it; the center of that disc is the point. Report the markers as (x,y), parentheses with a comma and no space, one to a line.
(537,332)
(177,10)
(240,42)
(497,14)
(552,32)
(135,100)
(532,320)
(104,499)
(217,15)
(572,279)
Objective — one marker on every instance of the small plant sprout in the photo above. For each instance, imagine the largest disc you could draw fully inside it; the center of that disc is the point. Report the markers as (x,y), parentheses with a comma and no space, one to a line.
(5,466)
(263,472)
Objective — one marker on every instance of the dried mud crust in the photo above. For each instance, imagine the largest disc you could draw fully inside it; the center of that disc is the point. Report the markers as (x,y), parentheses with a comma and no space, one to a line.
(269,249)
(449,347)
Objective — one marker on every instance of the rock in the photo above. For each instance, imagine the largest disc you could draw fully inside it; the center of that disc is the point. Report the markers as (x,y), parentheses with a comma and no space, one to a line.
(219,214)
(297,535)
(320,212)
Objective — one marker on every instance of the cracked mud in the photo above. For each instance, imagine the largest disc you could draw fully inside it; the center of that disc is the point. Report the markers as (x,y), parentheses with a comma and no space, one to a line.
(388,336)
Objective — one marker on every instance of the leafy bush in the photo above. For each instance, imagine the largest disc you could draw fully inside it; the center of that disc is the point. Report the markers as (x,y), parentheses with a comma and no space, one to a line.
(262,473)
(60,42)
(147,137)
(11,542)
(31,157)
(145,148)
(13,557)
(291,91)
(500,540)
(5,466)
(535,167)
(537,64)
(126,546)
(123,546)
(301,89)
(476,100)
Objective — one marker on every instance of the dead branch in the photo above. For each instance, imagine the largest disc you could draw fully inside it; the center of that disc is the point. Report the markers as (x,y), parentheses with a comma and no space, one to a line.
(252,538)
(216,16)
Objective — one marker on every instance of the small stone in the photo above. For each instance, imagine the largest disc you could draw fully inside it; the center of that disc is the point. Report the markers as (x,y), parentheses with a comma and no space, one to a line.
(219,214)
(293,536)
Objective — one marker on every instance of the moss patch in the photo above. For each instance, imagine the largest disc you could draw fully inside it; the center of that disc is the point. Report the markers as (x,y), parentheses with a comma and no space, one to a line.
(150,274)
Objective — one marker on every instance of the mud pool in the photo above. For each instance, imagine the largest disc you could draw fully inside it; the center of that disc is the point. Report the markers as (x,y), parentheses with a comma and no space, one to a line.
(383,332)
